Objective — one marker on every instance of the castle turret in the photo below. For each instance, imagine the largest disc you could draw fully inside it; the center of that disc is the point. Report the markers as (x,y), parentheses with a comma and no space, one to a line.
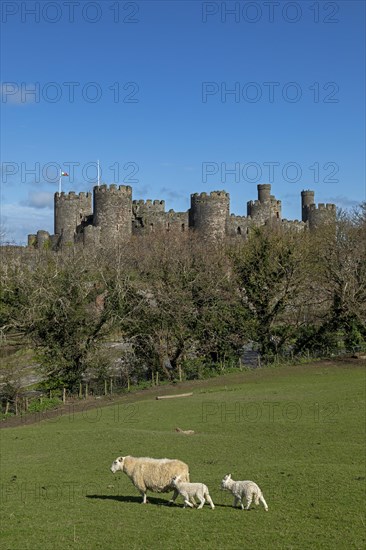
(32,240)
(266,208)
(71,210)
(209,214)
(321,214)
(43,240)
(113,213)
(307,198)
(264,192)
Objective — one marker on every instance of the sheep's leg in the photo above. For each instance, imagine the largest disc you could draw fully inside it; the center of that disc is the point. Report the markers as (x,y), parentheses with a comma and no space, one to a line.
(144,499)
(202,501)
(249,501)
(174,497)
(237,500)
(209,500)
(187,503)
(261,498)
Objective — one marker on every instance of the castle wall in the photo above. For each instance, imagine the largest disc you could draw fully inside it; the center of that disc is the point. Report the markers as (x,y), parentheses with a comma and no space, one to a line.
(148,216)
(177,222)
(209,214)
(238,226)
(293,225)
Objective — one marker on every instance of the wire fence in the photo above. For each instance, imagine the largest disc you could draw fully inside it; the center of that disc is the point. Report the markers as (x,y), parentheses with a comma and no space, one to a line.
(25,401)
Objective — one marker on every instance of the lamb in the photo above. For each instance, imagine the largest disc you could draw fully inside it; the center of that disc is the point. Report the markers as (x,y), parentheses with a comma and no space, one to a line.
(151,473)
(190,491)
(247,489)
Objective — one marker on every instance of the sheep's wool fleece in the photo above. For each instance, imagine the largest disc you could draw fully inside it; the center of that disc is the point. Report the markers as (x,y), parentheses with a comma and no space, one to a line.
(154,474)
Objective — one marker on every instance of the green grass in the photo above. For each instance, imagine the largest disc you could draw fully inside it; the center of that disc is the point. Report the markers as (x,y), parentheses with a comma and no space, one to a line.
(298,432)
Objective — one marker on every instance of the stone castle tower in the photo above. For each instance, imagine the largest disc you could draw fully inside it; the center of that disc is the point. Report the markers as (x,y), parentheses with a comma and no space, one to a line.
(315,215)
(209,214)
(114,217)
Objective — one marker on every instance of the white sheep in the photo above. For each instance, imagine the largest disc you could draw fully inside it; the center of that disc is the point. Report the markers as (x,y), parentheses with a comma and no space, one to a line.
(190,491)
(240,489)
(151,473)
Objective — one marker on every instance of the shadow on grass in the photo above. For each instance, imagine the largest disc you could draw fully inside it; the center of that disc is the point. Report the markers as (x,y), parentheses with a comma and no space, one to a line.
(150,500)
(138,500)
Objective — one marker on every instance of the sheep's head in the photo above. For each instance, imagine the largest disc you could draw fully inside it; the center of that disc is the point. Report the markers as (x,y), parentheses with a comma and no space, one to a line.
(175,480)
(117,464)
(224,482)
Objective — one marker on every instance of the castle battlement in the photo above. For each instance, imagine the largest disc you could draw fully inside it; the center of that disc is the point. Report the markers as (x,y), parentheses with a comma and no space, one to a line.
(213,195)
(148,202)
(71,196)
(323,206)
(113,189)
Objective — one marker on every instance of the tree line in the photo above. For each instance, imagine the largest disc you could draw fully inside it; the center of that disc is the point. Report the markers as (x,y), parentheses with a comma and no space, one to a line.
(183,306)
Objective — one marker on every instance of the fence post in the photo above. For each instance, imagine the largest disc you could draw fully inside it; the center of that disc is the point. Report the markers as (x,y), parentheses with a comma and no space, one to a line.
(64,395)
(105,387)
(86,390)
(80,390)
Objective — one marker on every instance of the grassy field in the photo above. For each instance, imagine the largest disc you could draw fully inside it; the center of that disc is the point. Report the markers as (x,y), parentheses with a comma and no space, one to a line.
(298,432)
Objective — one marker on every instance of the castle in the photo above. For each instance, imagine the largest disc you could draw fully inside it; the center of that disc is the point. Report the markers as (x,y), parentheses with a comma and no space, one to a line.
(113,217)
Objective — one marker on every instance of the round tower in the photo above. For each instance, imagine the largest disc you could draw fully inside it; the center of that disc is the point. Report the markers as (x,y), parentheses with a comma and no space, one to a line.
(209,214)
(264,192)
(32,240)
(70,211)
(307,198)
(43,239)
(321,215)
(113,213)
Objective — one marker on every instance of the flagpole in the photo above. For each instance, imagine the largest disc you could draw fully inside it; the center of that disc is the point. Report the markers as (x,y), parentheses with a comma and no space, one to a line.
(98,174)
(59,183)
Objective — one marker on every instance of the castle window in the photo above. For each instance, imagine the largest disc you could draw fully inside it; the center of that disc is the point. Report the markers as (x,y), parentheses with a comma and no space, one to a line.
(183,228)
(167,226)
(278,215)
(238,230)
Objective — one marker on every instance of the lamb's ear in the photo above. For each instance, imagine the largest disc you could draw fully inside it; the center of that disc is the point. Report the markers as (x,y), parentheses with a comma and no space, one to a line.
(121,459)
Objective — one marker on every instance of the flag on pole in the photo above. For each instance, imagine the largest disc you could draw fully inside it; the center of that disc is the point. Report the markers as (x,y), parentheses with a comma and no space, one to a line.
(59,182)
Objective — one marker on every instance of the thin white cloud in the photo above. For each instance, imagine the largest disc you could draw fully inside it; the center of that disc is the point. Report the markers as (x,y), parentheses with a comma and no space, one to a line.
(39,199)
(20,220)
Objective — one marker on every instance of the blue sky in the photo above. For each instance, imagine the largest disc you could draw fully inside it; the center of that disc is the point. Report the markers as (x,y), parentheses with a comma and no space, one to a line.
(145,88)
